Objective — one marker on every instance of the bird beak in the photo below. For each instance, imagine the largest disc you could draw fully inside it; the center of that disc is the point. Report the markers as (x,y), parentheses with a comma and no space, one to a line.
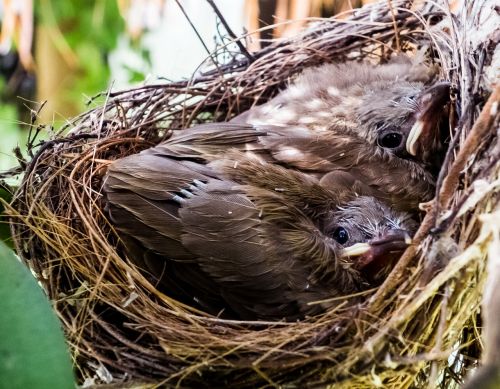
(424,130)
(356,250)
(375,255)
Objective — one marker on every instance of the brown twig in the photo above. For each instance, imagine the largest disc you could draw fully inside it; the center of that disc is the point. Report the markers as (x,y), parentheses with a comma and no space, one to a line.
(468,148)
(395,25)
(236,40)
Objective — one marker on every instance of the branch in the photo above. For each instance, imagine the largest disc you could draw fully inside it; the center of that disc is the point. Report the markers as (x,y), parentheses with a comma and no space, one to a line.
(481,128)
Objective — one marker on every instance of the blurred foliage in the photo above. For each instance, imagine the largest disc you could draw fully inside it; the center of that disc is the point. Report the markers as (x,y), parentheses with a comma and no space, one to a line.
(91,30)
(88,31)
(5,236)
(11,135)
(136,75)
(97,22)
(33,353)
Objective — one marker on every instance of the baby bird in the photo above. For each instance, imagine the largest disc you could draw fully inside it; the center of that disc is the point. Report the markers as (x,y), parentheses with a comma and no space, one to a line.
(375,127)
(381,123)
(247,239)
(293,203)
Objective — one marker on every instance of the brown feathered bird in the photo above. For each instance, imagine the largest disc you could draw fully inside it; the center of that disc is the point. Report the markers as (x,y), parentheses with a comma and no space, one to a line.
(247,239)
(259,217)
(381,124)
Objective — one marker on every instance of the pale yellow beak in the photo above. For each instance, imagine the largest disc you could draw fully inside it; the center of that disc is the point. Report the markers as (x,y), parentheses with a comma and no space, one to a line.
(358,249)
(355,250)
(411,141)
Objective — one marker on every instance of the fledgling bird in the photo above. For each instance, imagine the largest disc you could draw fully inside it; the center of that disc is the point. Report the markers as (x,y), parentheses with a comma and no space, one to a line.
(285,205)
(378,124)
(247,238)
(381,123)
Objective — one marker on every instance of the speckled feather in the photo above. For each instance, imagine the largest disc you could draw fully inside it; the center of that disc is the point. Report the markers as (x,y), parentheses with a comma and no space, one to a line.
(328,120)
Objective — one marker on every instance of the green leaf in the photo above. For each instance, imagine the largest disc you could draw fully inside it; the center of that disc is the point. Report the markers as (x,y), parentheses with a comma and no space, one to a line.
(91,29)
(33,353)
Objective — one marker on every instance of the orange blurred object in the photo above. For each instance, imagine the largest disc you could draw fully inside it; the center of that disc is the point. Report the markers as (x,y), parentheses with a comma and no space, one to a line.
(141,15)
(17,27)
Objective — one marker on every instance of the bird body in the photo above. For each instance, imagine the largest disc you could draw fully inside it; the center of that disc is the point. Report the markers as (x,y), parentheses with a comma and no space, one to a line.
(379,124)
(365,119)
(400,182)
(299,200)
(250,239)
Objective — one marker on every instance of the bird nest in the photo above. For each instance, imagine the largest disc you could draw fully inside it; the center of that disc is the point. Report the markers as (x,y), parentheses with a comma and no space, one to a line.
(421,325)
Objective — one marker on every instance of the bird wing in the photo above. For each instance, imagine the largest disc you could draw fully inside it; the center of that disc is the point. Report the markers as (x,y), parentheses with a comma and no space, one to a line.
(319,152)
(268,258)
(201,236)
(207,141)
(141,190)
(224,229)
(295,146)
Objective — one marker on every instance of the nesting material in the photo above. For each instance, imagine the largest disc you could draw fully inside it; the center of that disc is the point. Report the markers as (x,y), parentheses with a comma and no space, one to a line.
(420,326)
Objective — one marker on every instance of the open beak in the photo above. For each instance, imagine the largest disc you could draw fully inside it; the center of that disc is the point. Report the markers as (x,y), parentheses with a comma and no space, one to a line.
(378,253)
(424,131)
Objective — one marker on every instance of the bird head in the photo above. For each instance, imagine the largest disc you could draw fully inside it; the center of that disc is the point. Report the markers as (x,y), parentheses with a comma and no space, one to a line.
(372,235)
(404,118)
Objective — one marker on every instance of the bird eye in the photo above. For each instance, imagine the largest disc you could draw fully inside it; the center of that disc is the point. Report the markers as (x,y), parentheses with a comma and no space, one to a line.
(390,140)
(340,235)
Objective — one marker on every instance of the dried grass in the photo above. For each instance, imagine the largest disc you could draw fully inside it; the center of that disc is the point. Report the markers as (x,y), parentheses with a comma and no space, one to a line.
(421,326)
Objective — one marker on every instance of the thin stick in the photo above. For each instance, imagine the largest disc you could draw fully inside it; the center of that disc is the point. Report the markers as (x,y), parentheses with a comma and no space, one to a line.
(396,32)
(196,32)
(476,135)
(233,36)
